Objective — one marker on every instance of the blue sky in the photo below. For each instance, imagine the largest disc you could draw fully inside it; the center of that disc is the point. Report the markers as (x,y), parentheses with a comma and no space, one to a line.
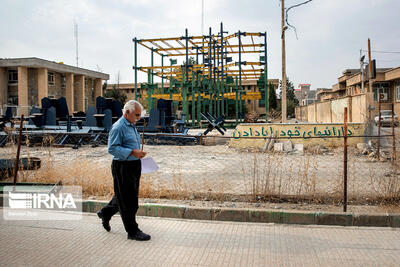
(330,32)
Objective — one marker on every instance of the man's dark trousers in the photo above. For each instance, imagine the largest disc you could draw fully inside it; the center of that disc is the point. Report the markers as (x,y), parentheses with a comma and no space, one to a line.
(126,175)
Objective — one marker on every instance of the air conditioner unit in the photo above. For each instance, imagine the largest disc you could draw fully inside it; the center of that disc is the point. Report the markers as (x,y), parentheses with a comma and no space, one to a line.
(383,96)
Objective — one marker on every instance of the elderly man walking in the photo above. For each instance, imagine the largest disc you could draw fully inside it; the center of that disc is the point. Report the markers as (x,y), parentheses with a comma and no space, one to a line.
(124,146)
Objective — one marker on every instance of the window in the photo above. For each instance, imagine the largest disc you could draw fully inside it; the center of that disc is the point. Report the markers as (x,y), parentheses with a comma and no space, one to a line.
(382,88)
(63,81)
(12,76)
(50,78)
(397,90)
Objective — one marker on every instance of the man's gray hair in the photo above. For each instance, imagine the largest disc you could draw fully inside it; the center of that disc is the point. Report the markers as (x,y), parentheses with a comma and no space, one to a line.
(131,105)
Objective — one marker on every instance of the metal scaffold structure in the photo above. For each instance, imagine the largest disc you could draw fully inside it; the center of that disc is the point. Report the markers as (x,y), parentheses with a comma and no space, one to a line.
(212,73)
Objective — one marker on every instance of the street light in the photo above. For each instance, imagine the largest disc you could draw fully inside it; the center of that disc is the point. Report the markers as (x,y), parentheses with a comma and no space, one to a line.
(362,64)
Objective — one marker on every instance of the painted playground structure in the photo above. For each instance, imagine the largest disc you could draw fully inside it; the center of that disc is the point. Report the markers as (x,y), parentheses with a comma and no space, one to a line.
(210,78)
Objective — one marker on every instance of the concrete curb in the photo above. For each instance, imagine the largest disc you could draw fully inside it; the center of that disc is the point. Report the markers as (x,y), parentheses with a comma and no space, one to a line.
(254,215)
(258,215)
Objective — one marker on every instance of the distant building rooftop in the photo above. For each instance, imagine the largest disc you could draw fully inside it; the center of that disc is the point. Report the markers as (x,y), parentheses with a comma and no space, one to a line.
(33,62)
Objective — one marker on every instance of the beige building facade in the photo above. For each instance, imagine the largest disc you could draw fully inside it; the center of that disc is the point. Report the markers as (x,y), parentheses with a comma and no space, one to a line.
(25,81)
(361,100)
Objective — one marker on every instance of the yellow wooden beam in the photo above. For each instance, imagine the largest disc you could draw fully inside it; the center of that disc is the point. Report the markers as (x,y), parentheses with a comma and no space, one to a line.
(232,95)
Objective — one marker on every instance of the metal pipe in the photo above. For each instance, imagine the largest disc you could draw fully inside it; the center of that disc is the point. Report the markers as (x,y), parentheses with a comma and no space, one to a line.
(152,64)
(394,137)
(222,69)
(135,63)
(218,82)
(379,124)
(209,54)
(187,53)
(240,61)
(236,101)
(240,73)
(283,98)
(162,74)
(266,79)
(345,162)
(193,100)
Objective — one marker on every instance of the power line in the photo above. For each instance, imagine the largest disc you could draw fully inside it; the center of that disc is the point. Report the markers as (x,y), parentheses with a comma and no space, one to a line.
(395,60)
(286,19)
(387,52)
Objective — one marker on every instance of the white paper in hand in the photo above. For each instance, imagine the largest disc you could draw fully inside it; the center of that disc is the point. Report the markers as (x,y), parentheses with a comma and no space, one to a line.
(149,165)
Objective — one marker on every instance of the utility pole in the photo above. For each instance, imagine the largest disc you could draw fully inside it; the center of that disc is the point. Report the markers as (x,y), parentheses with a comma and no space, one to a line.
(370,90)
(370,66)
(283,100)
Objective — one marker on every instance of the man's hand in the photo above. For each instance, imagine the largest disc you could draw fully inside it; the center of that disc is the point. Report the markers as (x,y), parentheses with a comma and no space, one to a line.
(137,153)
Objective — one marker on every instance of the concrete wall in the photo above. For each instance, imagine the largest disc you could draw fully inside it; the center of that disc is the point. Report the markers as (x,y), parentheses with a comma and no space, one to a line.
(90,94)
(3,85)
(303,133)
(332,111)
(69,92)
(98,90)
(338,106)
(32,87)
(43,88)
(359,109)
(79,92)
(324,113)
(311,113)
(23,102)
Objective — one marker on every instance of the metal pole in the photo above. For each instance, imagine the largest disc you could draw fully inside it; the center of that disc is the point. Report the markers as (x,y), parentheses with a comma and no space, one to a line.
(266,79)
(213,79)
(236,101)
(170,84)
(394,137)
(149,91)
(187,54)
(210,85)
(162,74)
(240,73)
(135,63)
(379,125)
(283,100)
(226,100)
(193,101)
(209,55)
(218,83)
(240,105)
(370,82)
(18,150)
(152,64)
(222,69)
(198,105)
(345,162)
(240,61)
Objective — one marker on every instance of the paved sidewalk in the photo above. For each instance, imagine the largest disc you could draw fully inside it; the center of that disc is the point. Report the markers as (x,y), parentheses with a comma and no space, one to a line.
(194,243)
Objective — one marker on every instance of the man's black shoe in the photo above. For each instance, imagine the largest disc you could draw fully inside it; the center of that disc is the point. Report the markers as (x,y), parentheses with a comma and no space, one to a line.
(106,223)
(139,236)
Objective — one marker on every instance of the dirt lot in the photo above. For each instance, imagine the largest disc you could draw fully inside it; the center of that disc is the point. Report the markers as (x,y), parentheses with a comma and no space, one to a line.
(222,176)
